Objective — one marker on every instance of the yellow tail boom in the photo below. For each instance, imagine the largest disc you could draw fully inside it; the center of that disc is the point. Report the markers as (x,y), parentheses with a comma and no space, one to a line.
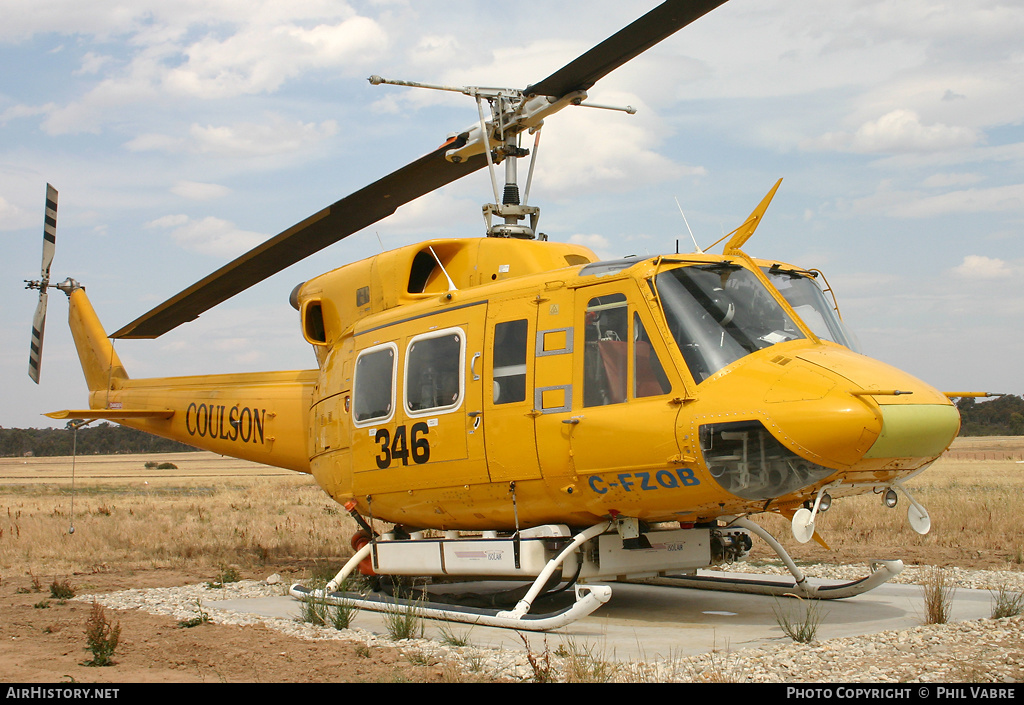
(255,416)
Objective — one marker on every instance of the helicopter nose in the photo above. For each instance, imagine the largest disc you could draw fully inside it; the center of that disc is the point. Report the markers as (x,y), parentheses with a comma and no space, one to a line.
(822,410)
(914,421)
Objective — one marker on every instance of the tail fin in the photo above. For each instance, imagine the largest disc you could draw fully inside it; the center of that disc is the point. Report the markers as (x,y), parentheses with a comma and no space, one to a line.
(101,365)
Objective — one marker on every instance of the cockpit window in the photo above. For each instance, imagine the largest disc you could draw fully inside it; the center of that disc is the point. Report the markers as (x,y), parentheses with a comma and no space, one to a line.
(806,298)
(719,313)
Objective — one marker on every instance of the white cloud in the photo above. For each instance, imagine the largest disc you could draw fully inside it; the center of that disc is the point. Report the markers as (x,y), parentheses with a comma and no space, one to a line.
(209,235)
(443,213)
(92,63)
(275,136)
(259,58)
(260,139)
(897,203)
(584,150)
(14,218)
(981,267)
(990,200)
(896,132)
(196,50)
(196,191)
(947,180)
(168,221)
(23,111)
(152,142)
(435,50)
(103,103)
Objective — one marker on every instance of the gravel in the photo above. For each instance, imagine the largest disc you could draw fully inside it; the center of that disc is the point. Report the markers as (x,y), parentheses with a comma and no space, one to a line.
(986,650)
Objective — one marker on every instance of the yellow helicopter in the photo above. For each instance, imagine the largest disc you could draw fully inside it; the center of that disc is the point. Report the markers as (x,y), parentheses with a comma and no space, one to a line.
(518,409)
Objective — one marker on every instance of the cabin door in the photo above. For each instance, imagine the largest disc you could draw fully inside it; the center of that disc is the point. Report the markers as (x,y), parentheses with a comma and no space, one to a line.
(506,370)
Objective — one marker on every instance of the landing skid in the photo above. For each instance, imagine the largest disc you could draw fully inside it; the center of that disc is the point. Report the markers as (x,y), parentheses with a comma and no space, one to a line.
(548,556)
(881,572)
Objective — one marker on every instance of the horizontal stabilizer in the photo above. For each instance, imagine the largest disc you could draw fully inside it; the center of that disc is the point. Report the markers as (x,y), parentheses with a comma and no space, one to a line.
(112,414)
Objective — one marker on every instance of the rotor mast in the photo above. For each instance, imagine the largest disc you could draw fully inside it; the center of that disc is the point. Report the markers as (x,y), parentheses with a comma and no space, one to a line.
(512,113)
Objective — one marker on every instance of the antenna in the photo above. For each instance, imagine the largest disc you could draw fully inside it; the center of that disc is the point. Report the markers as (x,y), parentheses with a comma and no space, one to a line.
(696,247)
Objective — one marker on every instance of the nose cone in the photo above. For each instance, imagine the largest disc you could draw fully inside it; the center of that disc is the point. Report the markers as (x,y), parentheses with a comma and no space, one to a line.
(915,431)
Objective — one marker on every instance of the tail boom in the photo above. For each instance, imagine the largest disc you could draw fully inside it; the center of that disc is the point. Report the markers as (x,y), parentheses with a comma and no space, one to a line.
(254,416)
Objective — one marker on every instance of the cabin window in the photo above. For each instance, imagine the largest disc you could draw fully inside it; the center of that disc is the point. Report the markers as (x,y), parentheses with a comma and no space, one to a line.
(433,371)
(509,361)
(374,384)
(606,373)
(649,378)
(605,357)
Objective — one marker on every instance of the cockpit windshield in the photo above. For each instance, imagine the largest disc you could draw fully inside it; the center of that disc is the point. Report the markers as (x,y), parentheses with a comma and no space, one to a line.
(803,294)
(719,313)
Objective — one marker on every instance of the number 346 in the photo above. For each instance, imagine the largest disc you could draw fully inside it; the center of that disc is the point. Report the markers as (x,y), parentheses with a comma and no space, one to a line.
(398,448)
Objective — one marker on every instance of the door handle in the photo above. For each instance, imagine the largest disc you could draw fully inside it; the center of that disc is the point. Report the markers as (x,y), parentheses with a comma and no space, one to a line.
(472,367)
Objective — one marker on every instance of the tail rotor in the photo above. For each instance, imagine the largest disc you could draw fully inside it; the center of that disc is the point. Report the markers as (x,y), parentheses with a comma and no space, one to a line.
(39,320)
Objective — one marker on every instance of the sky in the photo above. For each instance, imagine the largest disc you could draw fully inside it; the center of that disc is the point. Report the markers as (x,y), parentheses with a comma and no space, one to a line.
(180,133)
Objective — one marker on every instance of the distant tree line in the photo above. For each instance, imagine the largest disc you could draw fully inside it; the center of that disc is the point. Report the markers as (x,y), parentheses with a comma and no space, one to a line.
(101,438)
(1002,416)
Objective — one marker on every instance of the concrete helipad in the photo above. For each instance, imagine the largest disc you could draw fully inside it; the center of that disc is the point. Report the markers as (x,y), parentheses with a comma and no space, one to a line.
(648,621)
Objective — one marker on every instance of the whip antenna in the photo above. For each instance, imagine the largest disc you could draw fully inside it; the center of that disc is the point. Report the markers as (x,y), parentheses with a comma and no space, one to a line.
(696,247)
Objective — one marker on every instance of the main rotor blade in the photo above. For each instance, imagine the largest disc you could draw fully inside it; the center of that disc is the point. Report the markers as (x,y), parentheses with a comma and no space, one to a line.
(661,22)
(336,222)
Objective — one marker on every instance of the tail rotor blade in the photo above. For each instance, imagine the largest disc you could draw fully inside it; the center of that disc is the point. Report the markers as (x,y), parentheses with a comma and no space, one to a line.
(35,357)
(49,231)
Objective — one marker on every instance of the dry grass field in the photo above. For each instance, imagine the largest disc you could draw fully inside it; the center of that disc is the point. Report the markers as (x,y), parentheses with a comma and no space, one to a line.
(145,527)
(209,513)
